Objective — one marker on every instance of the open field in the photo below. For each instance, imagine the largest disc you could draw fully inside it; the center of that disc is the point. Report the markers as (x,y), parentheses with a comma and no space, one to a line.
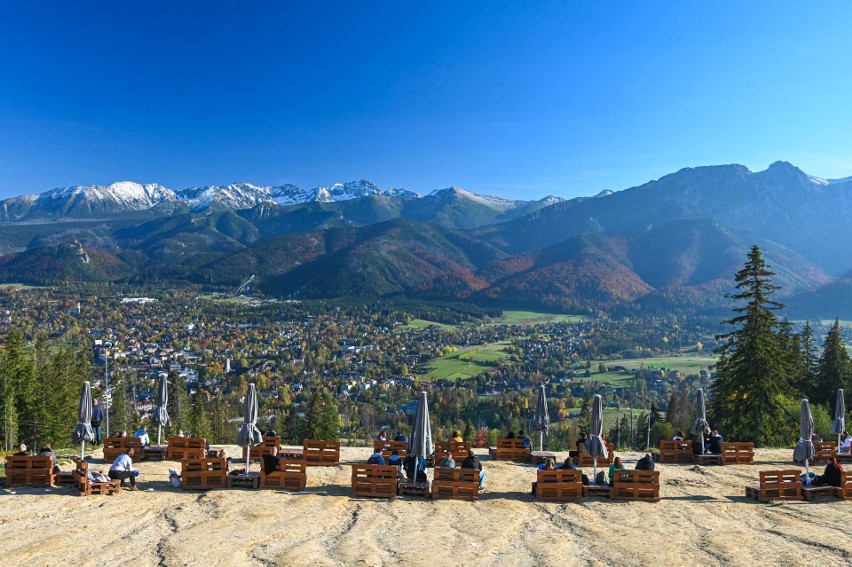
(511,317)
(422,324)
(466,363)
(702,518)
(20,287)
(685,364)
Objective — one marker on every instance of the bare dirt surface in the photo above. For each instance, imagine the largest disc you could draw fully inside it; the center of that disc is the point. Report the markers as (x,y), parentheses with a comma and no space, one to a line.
(703,518)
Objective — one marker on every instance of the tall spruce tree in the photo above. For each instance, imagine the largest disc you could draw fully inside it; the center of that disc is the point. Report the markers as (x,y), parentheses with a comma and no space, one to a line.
(220,432)
(322,419)
(178,405)
(809,359)
(753,372)
(199,418)
(833,369)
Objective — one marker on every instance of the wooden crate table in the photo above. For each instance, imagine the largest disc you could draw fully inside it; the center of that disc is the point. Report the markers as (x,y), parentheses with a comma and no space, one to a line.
(707,459)
(412,488)
(600,490)
(216,453)
(540,457)
(245,480)
(292,453)
(815,492)
(154,453)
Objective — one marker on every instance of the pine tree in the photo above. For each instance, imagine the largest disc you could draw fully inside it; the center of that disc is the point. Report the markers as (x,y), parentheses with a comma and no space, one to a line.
(119,407)
(833,369)
(199,419)
(20,393)
(752,373)
(809,359)
(178,405)
(322,416)
(219,430)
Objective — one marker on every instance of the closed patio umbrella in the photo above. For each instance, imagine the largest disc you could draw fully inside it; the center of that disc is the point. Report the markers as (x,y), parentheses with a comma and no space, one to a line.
(420,444)
(839,425)
(541,421)
(700,426)
(595,446)
(83,431)
(805,448)
(249,434)
(161,414)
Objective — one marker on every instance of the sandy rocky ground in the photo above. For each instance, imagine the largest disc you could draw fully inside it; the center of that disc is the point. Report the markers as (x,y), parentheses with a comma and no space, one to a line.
(703,518)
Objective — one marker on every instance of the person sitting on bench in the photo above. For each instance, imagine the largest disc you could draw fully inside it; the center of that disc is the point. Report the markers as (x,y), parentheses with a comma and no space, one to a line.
(471,462)
(415,469)
(615,466)
(400,437)
(845,446)
(395,459)
(581,441)
(511,435)
(456,437)
(22,452)
(270,460)
(714,443)
(47,451)
(646,463)
(569,465)
(527,442)
(376,459)
(678,436)
(143,436)
(122,469)
(831,476)
(448,462)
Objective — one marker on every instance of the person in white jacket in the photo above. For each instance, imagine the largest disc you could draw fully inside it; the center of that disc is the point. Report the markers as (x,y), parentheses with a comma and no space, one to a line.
(845,443)
(122,469)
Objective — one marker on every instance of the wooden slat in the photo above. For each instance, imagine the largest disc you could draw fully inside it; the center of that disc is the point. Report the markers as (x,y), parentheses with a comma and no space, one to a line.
(564,485)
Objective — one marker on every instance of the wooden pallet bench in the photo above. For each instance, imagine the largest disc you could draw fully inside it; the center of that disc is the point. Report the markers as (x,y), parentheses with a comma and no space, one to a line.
(244,480)
(288,475)
(777,485)
(844,491)
(181,448)
(115,446)
(375,481)
(561,485)
(675,451)
(737,453)
(811,493)
(587,461)
(320,453)
(409,487)
(510,450)
(154,453)
(256,452)
(88,487)
(455,448)
(292,453)
(457,484)
(636,485)
(825,451)
(600,490)
(204,474)
(29,471)
(386,448)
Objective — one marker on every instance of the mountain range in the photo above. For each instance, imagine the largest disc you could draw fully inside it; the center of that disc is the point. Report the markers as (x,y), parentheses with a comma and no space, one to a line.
(672,243)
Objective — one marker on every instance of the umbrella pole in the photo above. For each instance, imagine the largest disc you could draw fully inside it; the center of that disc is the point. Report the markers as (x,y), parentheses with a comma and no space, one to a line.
(248,454)
(807,473)
(595,469)
(541,440)
(83,450)
(159,432)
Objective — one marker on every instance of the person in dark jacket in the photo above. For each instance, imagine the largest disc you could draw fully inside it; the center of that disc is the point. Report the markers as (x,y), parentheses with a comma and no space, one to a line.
(714,443)
(270,460)
(472,462)
(376,459)
(97,418)
(646,463)
(831,476)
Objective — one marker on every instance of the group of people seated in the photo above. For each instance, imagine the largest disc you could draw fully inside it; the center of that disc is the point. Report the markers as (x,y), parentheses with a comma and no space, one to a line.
(520,435)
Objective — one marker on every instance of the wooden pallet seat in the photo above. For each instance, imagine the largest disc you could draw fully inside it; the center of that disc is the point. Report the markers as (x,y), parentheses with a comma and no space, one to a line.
(87,487)
(675,451)
(288,475)
(319,453)
(510,450)
(203,474)
(737,453)
(115,446)
(457,449)
(636,485)
(256,452)
(587,461)
(825,451)
(386,448)
(374,481)
(457,484)
(29,471)
(181,448)
(777,485)
(559,485)
(844,491)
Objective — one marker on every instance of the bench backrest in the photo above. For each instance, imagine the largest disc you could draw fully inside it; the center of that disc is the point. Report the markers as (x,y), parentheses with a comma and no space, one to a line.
(365,472)
(777,477)
(587,460)
(825,450)
(386,448)
(446,474)
(187,442)
(511,444)
(677,446)
(28,462)
(122,443)
(737,452)
(214,464)
(290,466)
(560,476)
(636,477)
(319,452)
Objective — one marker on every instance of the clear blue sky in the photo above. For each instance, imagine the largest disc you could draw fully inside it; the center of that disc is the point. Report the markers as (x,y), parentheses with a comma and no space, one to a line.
(520,99)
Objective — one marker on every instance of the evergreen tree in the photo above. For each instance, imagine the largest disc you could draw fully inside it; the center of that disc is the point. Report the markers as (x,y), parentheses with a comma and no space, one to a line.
(178,405)
(199,419)
(808,359)
(752,371)
(322,416)
(19,393)
(121,418)
(220,432)
(833,369)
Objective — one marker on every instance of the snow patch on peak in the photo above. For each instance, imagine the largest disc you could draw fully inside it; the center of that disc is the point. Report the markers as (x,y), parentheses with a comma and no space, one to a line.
(604,193)
(818,180)
(491,201)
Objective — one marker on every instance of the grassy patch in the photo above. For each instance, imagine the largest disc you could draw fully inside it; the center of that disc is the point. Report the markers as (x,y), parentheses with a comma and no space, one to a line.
(511,317)
(466,363)
(422,324)
(21,287)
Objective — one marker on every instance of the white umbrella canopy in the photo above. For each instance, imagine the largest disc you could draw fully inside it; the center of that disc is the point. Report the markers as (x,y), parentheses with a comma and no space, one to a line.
(83,431)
